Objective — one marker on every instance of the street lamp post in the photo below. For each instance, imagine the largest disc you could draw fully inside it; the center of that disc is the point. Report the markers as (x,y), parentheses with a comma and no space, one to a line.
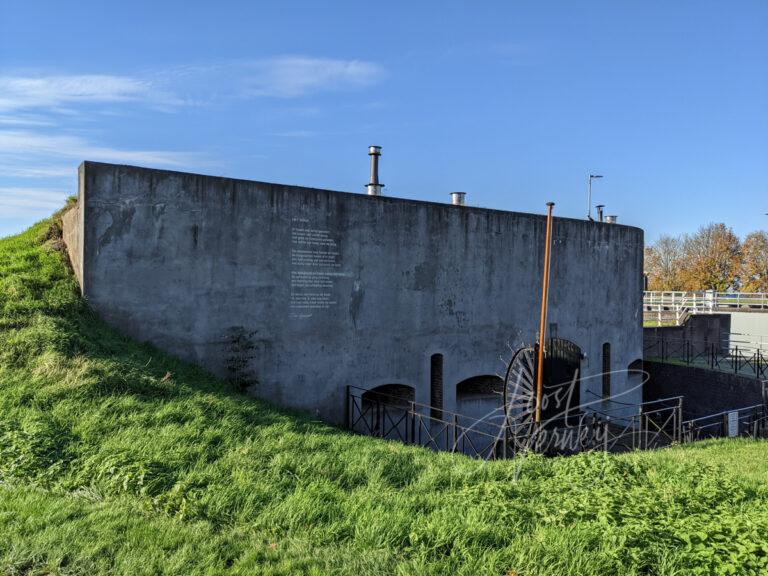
(589,198)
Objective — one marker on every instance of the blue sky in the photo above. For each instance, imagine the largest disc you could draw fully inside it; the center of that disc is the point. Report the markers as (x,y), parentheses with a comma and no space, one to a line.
(513,102)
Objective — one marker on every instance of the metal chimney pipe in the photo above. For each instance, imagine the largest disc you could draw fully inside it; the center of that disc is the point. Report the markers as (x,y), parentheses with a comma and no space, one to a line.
(374,186)
(457,198)
(612,219)
(600,212)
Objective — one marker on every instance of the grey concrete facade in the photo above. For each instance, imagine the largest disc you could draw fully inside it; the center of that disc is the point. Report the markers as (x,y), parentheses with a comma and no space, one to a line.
(334,289)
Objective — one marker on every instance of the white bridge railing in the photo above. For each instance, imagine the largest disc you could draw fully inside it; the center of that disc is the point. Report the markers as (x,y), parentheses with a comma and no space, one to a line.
(676,307)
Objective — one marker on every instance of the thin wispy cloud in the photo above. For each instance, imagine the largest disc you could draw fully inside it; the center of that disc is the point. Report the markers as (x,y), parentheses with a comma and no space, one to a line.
(26,145)
(51,92)
(41,115)
(22,171)
(22,202)
(282,77)
(296,134)
(53,159)
(39,96)
(18,119)
(294,76)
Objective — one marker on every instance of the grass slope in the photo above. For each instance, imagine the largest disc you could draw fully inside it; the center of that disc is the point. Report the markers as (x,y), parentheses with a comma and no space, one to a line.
(117,459)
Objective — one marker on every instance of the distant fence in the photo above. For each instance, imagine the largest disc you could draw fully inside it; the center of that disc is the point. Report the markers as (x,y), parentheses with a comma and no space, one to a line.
(675,307)
(751,421)
(731,355)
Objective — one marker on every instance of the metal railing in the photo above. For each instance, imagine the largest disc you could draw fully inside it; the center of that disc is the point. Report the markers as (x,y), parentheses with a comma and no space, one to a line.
(676,307)
(737,357)
(373,413)
(651,425)
(751,421)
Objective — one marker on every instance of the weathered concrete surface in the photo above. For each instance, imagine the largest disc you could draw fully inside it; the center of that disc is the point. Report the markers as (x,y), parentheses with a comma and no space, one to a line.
(332,289)
(72,224)
(700,329)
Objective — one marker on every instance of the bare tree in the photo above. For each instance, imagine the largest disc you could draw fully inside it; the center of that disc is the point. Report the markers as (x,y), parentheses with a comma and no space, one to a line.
(754,262)
(664,263)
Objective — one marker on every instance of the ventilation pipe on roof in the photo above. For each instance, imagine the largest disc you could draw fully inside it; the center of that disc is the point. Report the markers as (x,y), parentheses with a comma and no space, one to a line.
(374,186)
(612,219)
(457,198)
(600,212)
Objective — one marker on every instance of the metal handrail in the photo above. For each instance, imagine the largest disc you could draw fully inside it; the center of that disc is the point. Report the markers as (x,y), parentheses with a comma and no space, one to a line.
(726,341)
(650,427)
(738,359)
(723,413)
(677,305)
(411,422)
(705,299)
(676,398)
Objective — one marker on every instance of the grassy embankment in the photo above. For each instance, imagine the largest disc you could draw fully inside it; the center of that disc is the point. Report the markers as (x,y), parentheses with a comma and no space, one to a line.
(117,459)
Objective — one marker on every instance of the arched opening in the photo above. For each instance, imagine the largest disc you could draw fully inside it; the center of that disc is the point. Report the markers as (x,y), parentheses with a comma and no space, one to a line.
(480,398)
(561,383)
(384,410)
(395,394)
(477,386)
(480,412)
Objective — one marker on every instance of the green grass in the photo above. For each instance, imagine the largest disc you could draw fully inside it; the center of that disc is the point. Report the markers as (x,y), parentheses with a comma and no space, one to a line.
(117,459)
(656,324)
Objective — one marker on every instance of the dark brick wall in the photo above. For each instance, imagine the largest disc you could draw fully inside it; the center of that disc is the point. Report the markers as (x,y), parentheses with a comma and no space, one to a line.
(705,391)
(699,328)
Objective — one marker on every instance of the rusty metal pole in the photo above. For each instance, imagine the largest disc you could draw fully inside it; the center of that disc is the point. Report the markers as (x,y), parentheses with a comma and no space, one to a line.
(543,322)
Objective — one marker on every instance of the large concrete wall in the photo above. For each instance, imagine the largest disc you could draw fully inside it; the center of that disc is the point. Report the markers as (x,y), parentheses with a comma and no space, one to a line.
(335,289)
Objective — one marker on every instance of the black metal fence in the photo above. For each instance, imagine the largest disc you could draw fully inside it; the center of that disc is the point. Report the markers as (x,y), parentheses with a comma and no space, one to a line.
(751,421)
(745,360)
(376,414)
(650,425)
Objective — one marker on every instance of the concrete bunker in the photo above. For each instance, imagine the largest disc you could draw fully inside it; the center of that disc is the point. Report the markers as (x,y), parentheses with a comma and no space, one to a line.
(340,288)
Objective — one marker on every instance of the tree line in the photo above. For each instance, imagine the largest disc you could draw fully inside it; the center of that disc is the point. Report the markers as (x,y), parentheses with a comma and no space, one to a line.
(713,258)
